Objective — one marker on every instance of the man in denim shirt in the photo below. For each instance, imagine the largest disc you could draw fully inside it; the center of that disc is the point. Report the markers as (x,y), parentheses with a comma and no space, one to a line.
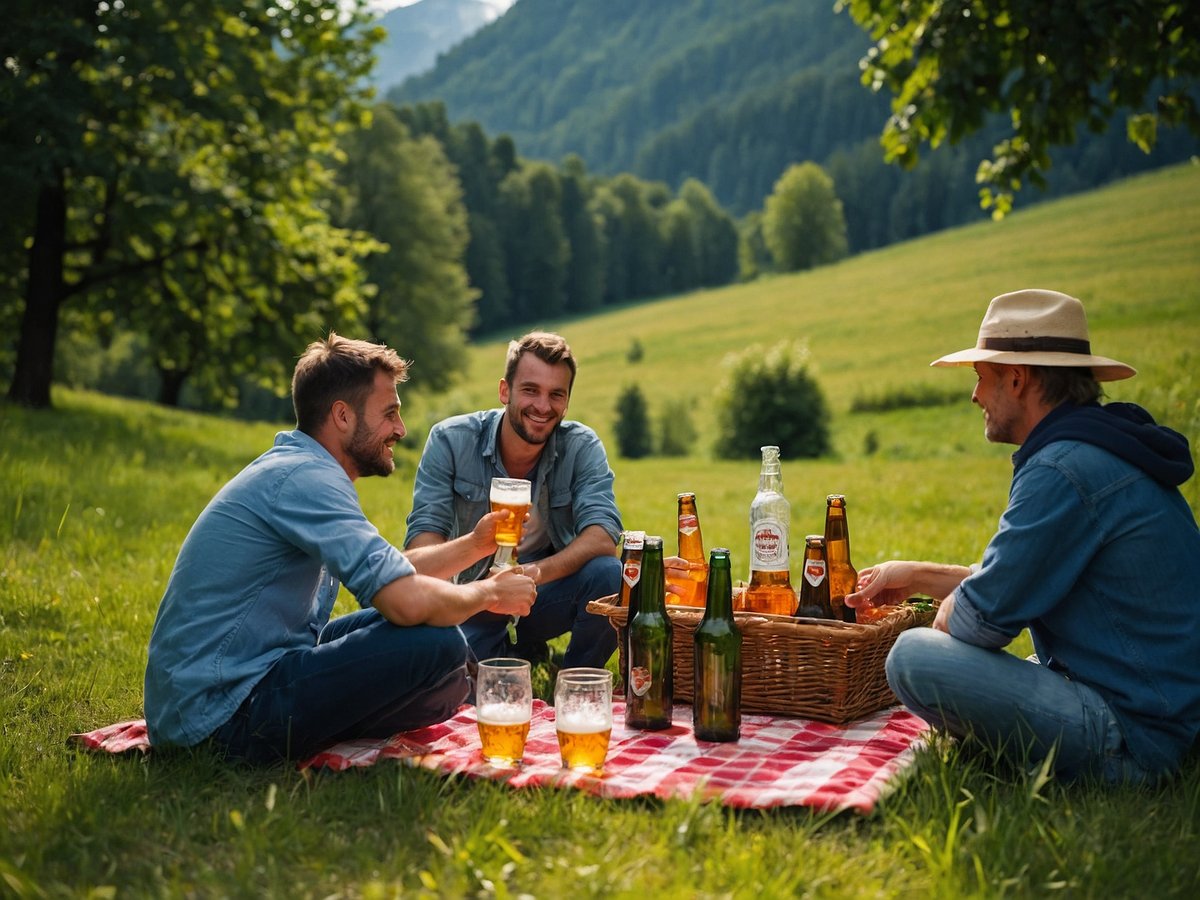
(1097,554)
(573,526)
(243,652)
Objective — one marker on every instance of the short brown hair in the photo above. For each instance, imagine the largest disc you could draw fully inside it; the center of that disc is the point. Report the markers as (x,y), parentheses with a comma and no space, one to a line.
(548,347)
(339,368)
(1076,385)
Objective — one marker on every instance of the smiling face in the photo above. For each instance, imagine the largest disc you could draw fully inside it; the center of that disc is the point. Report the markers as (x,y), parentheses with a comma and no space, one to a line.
(535,401)
(377,428)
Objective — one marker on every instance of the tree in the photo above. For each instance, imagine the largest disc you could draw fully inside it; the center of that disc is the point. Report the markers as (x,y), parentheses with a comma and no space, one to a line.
(634,440)
(1050,67)
(170,150)
(403,191)
(768,396)
(803,224)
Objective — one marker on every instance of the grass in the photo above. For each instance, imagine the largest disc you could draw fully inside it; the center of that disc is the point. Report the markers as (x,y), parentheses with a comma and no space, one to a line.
(97,495)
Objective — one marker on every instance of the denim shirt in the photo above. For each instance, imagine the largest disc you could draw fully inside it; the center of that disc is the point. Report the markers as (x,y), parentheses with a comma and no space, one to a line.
(1102,564)
(572,484)
(257,576)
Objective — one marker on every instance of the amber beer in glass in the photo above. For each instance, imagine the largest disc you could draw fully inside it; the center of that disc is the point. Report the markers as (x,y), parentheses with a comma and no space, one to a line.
(770,588)
(717,676)
(694,583)
(842,575)
(649,685)
(512,495)
(503,709)
(583,717)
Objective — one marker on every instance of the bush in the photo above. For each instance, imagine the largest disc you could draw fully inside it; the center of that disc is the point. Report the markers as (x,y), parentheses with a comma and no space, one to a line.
(677,435)
(769,397)
(633,424)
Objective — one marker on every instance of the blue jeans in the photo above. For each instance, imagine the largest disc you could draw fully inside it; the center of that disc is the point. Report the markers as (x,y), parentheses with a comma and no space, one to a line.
(365,678)
(561,606)
(1018,708)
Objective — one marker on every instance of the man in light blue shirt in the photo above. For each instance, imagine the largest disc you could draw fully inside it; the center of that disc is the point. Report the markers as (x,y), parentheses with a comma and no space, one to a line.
(574,523)
(243,652)
(1097,554)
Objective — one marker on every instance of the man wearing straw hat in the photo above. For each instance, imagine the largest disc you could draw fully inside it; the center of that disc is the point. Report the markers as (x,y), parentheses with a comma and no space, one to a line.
(1097,554)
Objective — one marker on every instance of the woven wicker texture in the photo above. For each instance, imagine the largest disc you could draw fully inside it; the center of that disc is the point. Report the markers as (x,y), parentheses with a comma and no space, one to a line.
(813,668)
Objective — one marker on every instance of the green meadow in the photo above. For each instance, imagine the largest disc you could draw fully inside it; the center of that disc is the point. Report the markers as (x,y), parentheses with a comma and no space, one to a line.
(96,495)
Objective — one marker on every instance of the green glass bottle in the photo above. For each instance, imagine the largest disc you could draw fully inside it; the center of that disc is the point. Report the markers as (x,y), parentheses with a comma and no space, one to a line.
(717,695)
(649,689)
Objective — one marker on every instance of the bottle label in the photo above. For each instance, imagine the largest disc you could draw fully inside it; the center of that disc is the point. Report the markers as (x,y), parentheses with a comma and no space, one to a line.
(814,571)
(640,680)
(634,540)
(768,545)
(632,573)
(688,524)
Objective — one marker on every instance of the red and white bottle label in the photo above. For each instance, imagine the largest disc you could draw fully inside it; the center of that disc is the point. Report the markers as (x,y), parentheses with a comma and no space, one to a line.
(632,573)
(768,546)
(688,524)
(814,571)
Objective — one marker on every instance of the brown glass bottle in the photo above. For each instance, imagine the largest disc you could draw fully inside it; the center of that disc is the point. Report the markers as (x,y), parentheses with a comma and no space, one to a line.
(842,574)
(631,563)
(691,547)
(717,673)
(814,583)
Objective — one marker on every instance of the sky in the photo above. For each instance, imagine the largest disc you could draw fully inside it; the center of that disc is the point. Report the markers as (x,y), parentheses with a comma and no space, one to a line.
(386,5)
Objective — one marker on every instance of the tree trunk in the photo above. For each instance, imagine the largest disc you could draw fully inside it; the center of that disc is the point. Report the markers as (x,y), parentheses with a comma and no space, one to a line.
(43,297)
(170,385)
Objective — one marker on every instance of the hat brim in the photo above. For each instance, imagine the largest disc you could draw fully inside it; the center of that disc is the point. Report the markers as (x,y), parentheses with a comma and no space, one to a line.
(1103,368)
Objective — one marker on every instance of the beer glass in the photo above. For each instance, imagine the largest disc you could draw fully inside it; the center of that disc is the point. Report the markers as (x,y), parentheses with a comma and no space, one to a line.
(583,717)
(503,708)
(512,494)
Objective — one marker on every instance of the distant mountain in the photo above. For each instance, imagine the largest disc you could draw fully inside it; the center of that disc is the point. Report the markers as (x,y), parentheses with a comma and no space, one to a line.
(418,33)
(729,92)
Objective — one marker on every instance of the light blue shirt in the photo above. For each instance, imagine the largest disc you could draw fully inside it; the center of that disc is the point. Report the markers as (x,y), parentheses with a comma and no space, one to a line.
(1102,564)
(257,576)
(572,484)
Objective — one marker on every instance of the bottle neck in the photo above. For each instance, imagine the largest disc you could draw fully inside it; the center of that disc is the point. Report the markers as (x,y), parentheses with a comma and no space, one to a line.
(652,584)
(719,603)
(770,480)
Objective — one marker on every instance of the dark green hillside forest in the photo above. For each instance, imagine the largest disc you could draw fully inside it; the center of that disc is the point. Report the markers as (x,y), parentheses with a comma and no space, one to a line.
(730,92)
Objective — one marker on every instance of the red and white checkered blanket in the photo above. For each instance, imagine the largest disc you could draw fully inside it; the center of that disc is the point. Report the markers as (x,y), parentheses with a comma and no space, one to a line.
(778,761)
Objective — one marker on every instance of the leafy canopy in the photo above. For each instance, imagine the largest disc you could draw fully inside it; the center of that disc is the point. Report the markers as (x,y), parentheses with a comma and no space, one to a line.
(1050,66)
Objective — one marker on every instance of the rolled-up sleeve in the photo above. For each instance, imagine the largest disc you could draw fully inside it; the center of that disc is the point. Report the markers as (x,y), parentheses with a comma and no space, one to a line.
(330,526)
(592,487)
(433,489)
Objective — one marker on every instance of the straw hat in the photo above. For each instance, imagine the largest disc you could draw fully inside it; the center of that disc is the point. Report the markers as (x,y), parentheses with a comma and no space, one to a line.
(1037,328)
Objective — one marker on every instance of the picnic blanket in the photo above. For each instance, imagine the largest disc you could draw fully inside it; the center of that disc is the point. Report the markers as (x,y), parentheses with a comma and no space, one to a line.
(779,761)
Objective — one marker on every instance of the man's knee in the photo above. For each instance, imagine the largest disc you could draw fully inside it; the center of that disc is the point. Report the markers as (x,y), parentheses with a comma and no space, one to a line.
(602,575)
(907,665)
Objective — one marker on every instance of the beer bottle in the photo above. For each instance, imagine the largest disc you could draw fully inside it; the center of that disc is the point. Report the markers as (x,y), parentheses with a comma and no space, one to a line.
(691,548)
(814,586)
(649,689)
(842,574)
(770,589)
(717,694)
(631,563)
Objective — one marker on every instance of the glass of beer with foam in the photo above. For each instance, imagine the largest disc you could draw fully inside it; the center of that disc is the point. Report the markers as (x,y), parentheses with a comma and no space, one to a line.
(513,495)
(503,708)
(583,717)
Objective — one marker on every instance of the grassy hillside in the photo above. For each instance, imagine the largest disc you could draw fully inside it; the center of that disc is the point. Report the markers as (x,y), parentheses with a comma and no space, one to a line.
(873,323)
(97,494)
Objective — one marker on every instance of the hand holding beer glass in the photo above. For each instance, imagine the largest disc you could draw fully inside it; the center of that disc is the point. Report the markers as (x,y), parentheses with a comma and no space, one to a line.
(513,495)
(583,717)
(503,710)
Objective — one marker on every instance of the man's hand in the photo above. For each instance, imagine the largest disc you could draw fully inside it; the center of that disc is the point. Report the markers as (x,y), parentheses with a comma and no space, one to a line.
(882,585)
(677,567)
(512,591)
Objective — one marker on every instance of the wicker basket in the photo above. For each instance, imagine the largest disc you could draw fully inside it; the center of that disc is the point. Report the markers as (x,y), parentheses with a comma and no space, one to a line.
(813,668)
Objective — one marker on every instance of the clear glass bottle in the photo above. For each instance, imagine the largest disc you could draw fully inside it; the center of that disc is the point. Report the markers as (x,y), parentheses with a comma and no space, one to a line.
(770,588)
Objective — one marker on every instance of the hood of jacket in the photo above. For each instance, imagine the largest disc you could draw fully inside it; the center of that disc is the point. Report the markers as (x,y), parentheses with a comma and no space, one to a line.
(1124,429)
